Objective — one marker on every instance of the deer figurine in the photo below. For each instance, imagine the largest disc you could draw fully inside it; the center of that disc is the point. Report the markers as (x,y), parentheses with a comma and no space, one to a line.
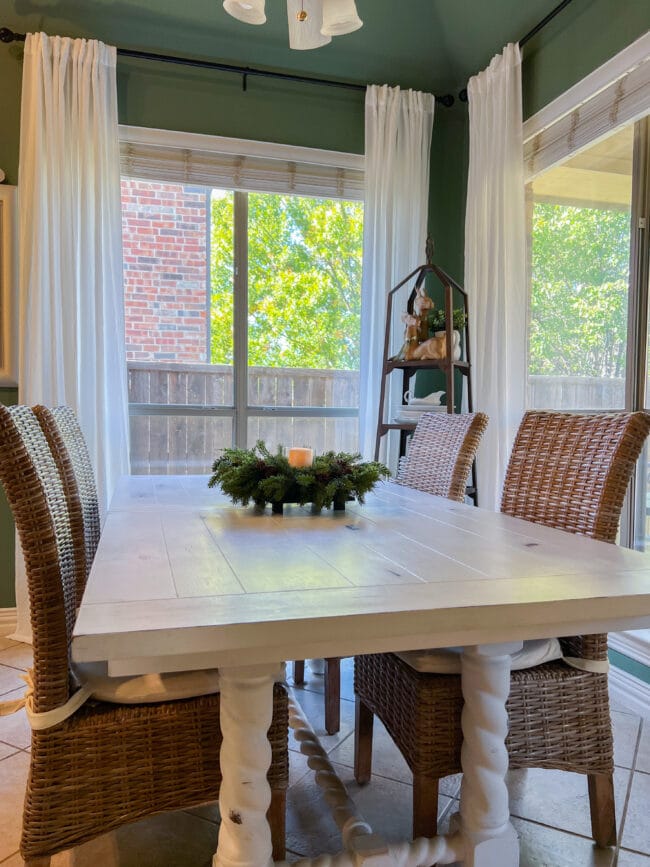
(411,337)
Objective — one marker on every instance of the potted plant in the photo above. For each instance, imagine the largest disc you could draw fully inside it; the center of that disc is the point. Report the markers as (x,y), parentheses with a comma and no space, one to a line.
(438,324)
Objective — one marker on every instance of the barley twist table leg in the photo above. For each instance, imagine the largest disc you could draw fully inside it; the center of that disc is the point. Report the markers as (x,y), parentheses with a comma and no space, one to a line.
(245,795)
(484,822)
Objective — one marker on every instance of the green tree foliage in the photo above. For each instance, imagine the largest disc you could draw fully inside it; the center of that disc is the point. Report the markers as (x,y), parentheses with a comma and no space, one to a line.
(579,291)
(304,281)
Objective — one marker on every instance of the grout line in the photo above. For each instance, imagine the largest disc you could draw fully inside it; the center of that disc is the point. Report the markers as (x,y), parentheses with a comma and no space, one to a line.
(13,747)
(551,827)
(633,852)
(4,860)
(214,822)
(621,827)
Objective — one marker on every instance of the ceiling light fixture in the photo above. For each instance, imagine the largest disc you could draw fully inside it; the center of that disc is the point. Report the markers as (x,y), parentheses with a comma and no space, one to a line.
(312,23)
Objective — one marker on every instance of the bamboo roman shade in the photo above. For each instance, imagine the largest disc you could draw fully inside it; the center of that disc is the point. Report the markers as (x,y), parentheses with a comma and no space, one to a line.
(621,102)
(213,162)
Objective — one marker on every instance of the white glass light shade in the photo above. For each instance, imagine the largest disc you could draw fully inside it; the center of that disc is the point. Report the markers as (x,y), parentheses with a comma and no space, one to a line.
(306,34)
(249,11)
(340,17)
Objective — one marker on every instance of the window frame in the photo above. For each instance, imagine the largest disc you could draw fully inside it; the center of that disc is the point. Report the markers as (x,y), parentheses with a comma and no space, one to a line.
(340,165)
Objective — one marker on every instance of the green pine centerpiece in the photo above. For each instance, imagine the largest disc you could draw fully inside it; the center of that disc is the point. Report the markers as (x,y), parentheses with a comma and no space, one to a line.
(258,476)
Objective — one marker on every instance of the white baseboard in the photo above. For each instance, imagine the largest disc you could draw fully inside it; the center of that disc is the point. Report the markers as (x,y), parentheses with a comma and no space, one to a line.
(7,619)
(634,644)
(629,693)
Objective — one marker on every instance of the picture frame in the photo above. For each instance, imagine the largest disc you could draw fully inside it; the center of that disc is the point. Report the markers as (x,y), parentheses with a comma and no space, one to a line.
(8,286)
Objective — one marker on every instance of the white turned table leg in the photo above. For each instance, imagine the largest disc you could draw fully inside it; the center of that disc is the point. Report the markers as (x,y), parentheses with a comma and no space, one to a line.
(245,795)
(484,820)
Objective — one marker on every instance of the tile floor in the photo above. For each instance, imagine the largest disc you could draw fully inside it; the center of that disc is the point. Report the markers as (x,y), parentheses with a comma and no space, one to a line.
(550,809)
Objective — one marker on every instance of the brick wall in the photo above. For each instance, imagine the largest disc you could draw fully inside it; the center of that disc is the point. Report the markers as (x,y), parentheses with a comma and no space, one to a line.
(164,230)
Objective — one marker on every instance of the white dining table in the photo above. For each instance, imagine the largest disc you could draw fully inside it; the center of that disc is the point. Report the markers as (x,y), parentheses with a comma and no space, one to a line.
(183,579)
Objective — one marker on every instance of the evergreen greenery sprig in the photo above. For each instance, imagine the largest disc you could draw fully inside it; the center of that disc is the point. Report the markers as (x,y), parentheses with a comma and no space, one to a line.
(259,476)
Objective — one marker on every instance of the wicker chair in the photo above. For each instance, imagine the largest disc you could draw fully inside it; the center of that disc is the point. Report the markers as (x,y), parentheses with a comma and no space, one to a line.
(565,471)
(107,764)
(66,439)
(439,459)
(441,453)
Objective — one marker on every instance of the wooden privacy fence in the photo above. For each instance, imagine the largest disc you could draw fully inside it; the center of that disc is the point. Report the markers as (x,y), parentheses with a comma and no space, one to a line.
(186,441)
(575,392)
(186,438)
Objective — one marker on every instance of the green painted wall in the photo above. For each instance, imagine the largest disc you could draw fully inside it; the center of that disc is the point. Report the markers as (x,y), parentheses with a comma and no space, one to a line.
(580,39)
(8,397)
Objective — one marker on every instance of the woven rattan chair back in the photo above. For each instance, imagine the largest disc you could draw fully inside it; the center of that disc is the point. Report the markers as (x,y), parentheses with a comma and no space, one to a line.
(69,448)
(37,498)
(441,452)
(572,471)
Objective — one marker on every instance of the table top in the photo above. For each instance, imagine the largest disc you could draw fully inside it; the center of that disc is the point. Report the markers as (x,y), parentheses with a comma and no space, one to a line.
(182,574)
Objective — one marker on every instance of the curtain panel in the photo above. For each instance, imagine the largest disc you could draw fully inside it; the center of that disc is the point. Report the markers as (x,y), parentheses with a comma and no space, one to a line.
(71,347)
(495,262)
(398,129)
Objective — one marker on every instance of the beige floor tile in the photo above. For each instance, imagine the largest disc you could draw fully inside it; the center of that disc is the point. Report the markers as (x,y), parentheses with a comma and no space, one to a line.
(171,840)
(18,656)
(209,812)
(9,679)
(13,861)
(385,804)
(298,767)
(643,756)
(6,642)
(636,831)
(14,729)
(6,750)
(626,734)
(632,859)
(387,761)
(548,847)
(558,798)
(13,778)
(313,705)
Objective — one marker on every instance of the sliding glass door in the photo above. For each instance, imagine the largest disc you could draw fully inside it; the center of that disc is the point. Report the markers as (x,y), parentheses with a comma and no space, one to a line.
(588,326)
(580,251)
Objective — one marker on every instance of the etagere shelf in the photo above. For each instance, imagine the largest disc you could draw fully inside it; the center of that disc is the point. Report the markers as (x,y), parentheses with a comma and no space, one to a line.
(408,368)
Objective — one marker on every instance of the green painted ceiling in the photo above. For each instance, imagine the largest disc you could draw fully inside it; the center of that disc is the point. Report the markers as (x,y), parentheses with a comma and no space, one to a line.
(429,44)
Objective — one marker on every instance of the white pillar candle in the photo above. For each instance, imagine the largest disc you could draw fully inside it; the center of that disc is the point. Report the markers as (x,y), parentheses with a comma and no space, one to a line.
(299,457)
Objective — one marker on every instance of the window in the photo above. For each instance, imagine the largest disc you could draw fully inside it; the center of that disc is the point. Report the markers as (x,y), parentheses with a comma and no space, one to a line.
(242,317)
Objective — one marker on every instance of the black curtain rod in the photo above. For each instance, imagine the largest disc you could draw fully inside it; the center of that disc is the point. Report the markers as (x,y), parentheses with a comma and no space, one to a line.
(462,96)
(7,35)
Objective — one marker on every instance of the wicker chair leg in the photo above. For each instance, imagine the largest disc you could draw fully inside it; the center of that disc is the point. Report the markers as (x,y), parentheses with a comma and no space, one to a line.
(332,695)
(277,815)
(362,742)
(425,806)
(299,671)
(603,809)
(39,862)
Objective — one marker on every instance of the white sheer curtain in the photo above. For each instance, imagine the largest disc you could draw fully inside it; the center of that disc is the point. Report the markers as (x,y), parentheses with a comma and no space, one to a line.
(495,262)
(398,152)
(70,255)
